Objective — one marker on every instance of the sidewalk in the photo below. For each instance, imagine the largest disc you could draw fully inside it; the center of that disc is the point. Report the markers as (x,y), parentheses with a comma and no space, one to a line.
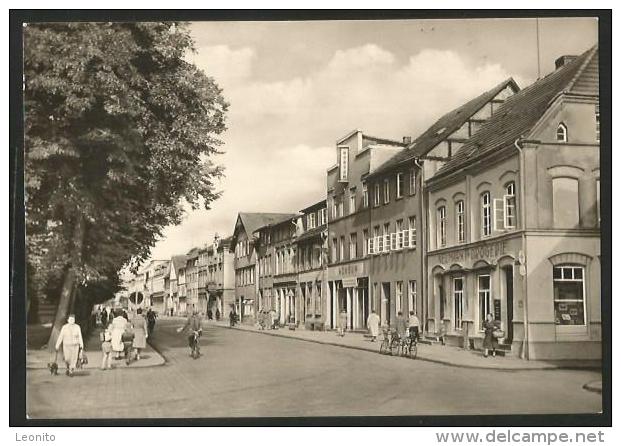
(38,358)
(446,355)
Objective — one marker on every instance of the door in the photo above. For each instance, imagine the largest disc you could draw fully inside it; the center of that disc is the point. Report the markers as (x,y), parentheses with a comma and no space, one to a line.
(386,303)
(509,292)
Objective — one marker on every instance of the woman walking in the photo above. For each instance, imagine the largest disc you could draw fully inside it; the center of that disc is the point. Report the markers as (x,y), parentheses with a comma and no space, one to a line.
(70,337)
(140,333)
(106,349)
(117,328)
(490,341)
(373,322)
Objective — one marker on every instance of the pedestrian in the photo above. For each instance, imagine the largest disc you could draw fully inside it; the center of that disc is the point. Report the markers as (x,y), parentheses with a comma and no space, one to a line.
(490,341)
(342,323)
(111,316)
(139,324)
(127,338)
(104,317)
(209,314)
(171,311)
(273,319)
(151,316)
(414,325)
(218,315)
(373,322)
(105,336)
(401,325)
(70,337)
(117,328)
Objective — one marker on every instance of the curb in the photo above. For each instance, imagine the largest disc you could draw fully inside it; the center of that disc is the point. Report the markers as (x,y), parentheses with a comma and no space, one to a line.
(593,386)
(419,358)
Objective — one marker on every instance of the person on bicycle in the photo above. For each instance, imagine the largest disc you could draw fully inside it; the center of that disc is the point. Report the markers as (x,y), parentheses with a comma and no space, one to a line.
(414,325)
(195,324)
(401,325)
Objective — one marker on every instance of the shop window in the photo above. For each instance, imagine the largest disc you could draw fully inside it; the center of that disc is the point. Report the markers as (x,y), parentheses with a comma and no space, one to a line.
(485,298)
(458,302)
(412,297)
(459,215)
(441,226)
(569,299)
(561,133)
(486,215)
(565,205)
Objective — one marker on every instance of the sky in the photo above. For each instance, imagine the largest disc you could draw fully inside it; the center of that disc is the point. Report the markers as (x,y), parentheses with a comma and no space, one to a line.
(294,88)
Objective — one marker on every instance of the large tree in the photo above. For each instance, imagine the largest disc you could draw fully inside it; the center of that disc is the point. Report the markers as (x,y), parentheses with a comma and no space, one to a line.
(119,131)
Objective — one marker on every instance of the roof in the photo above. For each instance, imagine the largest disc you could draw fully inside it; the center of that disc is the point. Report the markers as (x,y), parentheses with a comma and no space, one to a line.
(311,233)
(520,112)
(313,207)
(256,220)
(179,261)
(442,128)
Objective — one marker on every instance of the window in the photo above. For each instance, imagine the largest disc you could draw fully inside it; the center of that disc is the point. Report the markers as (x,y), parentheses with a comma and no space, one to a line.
(485,297)
(365,240)
(599,218)
(458,302)
(399,296)
(386,236)
(335,250)
(377,240)
(340,207)
(365,195)
(352,200)
(386,191)
(376,191)
(409,234)
(597,123)
(311,220)
(334,208)
(509,202)
(565,202)
(412,181)
(561,133)
(400,184)
(486,214)
(343,163)
(353,251)
(459,215)
(569,295)
(399,233)
(441,222)
(322,216)
(342,247)
(412,298)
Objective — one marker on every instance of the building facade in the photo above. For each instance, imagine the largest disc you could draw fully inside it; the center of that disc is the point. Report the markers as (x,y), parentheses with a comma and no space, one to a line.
(514,223)
(220,277)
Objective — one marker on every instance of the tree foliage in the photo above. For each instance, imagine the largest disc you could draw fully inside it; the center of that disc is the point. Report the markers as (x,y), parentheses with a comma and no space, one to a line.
(119,130)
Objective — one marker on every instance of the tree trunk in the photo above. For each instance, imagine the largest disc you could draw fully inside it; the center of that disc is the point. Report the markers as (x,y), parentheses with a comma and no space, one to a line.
(69,283)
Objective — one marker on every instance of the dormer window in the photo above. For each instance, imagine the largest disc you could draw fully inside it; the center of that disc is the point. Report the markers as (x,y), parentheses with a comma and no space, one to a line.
(561,133)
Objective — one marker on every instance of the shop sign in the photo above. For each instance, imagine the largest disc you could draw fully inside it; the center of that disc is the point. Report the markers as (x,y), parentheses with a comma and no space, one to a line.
(349,270)
(350,282)
(488,251)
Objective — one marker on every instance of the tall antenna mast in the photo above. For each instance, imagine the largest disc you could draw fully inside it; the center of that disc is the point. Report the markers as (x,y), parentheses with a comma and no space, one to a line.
(538,58)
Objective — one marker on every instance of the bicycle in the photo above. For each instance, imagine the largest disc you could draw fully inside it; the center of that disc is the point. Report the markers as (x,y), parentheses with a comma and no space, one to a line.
(409,346)
(194,345)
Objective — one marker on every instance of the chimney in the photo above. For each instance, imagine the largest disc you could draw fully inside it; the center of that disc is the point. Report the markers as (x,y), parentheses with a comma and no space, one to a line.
(563,60)
(407,140)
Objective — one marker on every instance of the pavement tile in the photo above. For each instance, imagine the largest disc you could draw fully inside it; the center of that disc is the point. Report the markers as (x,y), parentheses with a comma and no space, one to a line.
(447,355)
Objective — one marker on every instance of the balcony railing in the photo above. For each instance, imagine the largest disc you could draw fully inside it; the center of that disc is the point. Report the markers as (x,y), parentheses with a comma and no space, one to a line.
(395,241)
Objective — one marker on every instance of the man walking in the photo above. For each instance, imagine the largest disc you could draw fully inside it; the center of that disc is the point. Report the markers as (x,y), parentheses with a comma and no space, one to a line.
(373,322)
(70,337)
(414,325)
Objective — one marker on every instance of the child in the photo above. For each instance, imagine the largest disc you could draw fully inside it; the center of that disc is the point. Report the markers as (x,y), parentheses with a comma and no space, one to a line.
(105,337)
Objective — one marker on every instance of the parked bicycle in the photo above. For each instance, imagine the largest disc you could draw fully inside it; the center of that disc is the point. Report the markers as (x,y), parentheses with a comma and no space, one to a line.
(395,345)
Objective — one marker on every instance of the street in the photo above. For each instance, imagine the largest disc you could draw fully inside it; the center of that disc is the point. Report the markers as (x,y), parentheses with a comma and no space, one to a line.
(245,374)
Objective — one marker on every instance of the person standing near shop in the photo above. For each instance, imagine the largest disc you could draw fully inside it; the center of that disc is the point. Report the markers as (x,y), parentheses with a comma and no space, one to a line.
(373,322)
(490,342)
(70,337)
(342,323)
(414,325)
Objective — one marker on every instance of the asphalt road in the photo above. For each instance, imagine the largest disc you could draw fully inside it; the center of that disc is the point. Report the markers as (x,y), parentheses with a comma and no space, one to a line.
(245,374)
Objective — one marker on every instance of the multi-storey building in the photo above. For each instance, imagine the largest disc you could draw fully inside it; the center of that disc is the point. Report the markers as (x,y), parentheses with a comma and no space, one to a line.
(311,247)
(191,280)
(285,269)
(514,222)
(348,271)
(242,245)
(202,278)
(394,202)
(220,276)
(181,303)
(172,284)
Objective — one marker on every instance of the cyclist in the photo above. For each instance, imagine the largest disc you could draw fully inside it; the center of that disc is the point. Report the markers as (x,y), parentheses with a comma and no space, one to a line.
(414,325)
(195,324)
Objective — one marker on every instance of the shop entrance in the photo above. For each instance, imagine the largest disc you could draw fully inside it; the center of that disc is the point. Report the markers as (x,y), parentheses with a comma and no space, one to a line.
(508,273)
